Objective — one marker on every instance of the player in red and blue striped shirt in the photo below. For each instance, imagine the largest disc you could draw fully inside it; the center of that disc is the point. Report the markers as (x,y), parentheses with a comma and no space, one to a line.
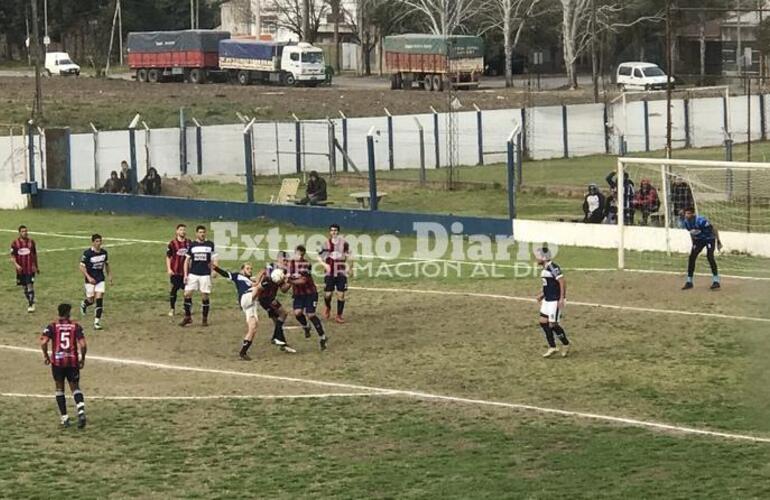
(176,253)
(305,295)
(24,259)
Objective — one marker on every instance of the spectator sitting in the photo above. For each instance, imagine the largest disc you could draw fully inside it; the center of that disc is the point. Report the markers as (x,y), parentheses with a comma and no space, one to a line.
(151,182)
(112,185)
(611,207)
(125,178)
(593,205)
(681,196)
(646,200)
(315,192)
(628,195)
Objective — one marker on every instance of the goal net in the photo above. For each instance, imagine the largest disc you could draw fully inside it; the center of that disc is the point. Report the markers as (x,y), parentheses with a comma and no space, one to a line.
(733,196)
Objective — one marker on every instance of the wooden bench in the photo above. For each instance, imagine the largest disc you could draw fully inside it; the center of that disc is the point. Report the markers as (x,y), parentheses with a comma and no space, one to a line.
(288,192)
(363,198)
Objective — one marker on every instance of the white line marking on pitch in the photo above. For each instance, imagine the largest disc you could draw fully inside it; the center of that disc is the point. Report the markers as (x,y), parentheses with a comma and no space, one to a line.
(208,397)
(575,303)
(427,396)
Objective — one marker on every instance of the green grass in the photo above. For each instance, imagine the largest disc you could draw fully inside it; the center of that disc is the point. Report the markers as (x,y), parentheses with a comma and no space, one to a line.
(690,371)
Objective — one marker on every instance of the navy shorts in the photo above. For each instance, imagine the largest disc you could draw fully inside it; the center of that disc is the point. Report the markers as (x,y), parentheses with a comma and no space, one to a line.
(306,303)
(71,373)
(25,279)
(177,281)
(272,306)
(340,282)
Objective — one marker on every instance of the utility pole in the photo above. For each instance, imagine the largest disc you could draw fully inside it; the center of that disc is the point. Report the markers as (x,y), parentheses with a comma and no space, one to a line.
(192,14)
(594,56)
(37,107)
(739,50)
(305,21)
(669,64)
(120,31)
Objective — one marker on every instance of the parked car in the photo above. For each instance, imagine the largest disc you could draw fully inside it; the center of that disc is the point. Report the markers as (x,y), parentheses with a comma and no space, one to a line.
(641,75)
(60,63)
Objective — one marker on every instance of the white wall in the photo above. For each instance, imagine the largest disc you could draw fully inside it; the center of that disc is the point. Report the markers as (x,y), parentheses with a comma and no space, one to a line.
(11,197)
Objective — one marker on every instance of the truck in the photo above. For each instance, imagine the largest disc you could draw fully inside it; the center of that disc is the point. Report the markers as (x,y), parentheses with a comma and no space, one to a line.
(434,62)
(189,55)
(285,63)
(60,63)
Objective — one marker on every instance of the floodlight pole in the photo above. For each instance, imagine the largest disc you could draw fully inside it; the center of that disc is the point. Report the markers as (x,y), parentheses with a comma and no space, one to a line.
(669,66)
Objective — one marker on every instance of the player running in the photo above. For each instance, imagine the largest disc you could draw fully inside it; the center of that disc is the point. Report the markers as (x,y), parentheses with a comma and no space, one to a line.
(551,301)
(93,266)
(305,295)
(703,235)
(69,357)
(335,257)
(197,275)
(24,260)
(175,258)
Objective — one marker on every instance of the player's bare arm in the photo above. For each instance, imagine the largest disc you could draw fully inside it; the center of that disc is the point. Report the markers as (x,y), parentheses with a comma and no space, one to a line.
(186,267)
(84,272)
(719,240)
(44,348)
(83,347)
(13,261)
(108,268)
(168,266)
(562,291)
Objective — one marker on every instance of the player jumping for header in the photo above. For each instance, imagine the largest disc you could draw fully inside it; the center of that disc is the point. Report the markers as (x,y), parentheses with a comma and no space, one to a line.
(305,295)
(69,357)
(335,257)
(93,266)
(176,253)
(24,260)
(703,235)
(551,301)
(267,296)
(197,275)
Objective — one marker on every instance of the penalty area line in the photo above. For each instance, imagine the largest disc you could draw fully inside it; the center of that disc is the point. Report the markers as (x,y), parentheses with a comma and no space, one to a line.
(630,422)
(327,395)
(571,303)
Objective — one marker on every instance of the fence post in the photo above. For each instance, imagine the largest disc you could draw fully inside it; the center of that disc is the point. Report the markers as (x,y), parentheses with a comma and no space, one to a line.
(332,149)
(646,109)
(606,117)
(479,134)
(344,141)
(31,151)
(519,160)
(728,150)
(436,137)
(298,142)
(372,171)
(391,164)
(97,181)
(249,161)
(182,142)
(726,114)
(510,171)
(687,138)
(43,176)
(523,132)
(565,130)
(762,116)
(198,146)
(421,135)
(147,160)
(132,178)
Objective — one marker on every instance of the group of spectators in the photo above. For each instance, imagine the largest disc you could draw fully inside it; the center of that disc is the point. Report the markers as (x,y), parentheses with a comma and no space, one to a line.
(599,208)
(121,183)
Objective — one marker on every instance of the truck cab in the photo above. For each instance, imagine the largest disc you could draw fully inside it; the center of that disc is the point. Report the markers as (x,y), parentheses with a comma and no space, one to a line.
(303,63)
(60,63)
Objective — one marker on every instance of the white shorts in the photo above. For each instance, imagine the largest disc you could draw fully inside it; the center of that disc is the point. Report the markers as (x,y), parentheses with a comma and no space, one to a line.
(249,306)
(196,283)
(550,309)
(92,290)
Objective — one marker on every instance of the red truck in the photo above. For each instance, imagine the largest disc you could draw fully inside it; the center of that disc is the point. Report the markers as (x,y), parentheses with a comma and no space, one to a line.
(189,55)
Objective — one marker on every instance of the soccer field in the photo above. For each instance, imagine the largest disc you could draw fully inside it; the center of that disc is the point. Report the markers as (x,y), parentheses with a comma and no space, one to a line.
(435,387)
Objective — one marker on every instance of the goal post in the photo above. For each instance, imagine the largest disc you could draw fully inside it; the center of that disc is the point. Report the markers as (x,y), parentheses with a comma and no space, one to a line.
(733,196)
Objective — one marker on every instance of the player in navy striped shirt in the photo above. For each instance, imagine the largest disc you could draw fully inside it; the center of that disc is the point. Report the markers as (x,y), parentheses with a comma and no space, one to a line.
(24,260)
(69,357)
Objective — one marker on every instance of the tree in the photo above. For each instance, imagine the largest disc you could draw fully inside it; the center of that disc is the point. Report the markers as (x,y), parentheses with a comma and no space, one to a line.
(444,17)
(375,19)
(291,16)
(510,17)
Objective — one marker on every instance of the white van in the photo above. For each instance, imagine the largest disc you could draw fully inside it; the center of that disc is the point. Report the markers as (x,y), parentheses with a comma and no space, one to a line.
(641,75)
(59,63)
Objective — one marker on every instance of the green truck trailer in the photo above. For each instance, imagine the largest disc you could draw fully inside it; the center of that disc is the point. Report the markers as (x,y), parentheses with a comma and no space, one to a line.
(434,62)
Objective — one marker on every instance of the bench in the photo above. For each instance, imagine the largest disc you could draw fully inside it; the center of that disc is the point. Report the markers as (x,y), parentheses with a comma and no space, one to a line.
(363,198)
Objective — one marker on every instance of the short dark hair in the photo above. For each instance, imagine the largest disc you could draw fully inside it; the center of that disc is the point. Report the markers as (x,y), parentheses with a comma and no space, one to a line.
(282,254)
(689,209)
(22,227)
(198,228)
(301,248)
(181,225)
(335,226)
(64,310)
(95,236)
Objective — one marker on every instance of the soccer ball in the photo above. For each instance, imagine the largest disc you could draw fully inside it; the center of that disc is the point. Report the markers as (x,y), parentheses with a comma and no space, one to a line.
(277,275)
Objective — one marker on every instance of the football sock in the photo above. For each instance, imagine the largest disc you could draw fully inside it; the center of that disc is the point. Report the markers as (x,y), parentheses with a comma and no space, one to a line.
(80,401)
(187,306)
(689,279)
(278,331)
(548,334)
(99,308)
(245,347)
(318,326)
(205,308)
(61,402)
(172,298)
(559,331)
(340,307)
(302,319)
(86,303)
(715,278)
(328,302)
(31,297)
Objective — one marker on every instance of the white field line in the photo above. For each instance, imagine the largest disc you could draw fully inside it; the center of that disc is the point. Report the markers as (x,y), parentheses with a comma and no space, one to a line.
(632,422)
(327,395)
(569,303)
(403,260)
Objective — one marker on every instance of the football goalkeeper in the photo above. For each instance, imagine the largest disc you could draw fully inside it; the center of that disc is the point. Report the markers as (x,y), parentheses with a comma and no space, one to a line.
(704,235)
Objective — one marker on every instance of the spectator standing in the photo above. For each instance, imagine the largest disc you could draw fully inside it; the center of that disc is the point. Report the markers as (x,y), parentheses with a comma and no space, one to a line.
(646,200)
(151,182)
(125,177)
(628,195)
(593,205)
(315,192)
